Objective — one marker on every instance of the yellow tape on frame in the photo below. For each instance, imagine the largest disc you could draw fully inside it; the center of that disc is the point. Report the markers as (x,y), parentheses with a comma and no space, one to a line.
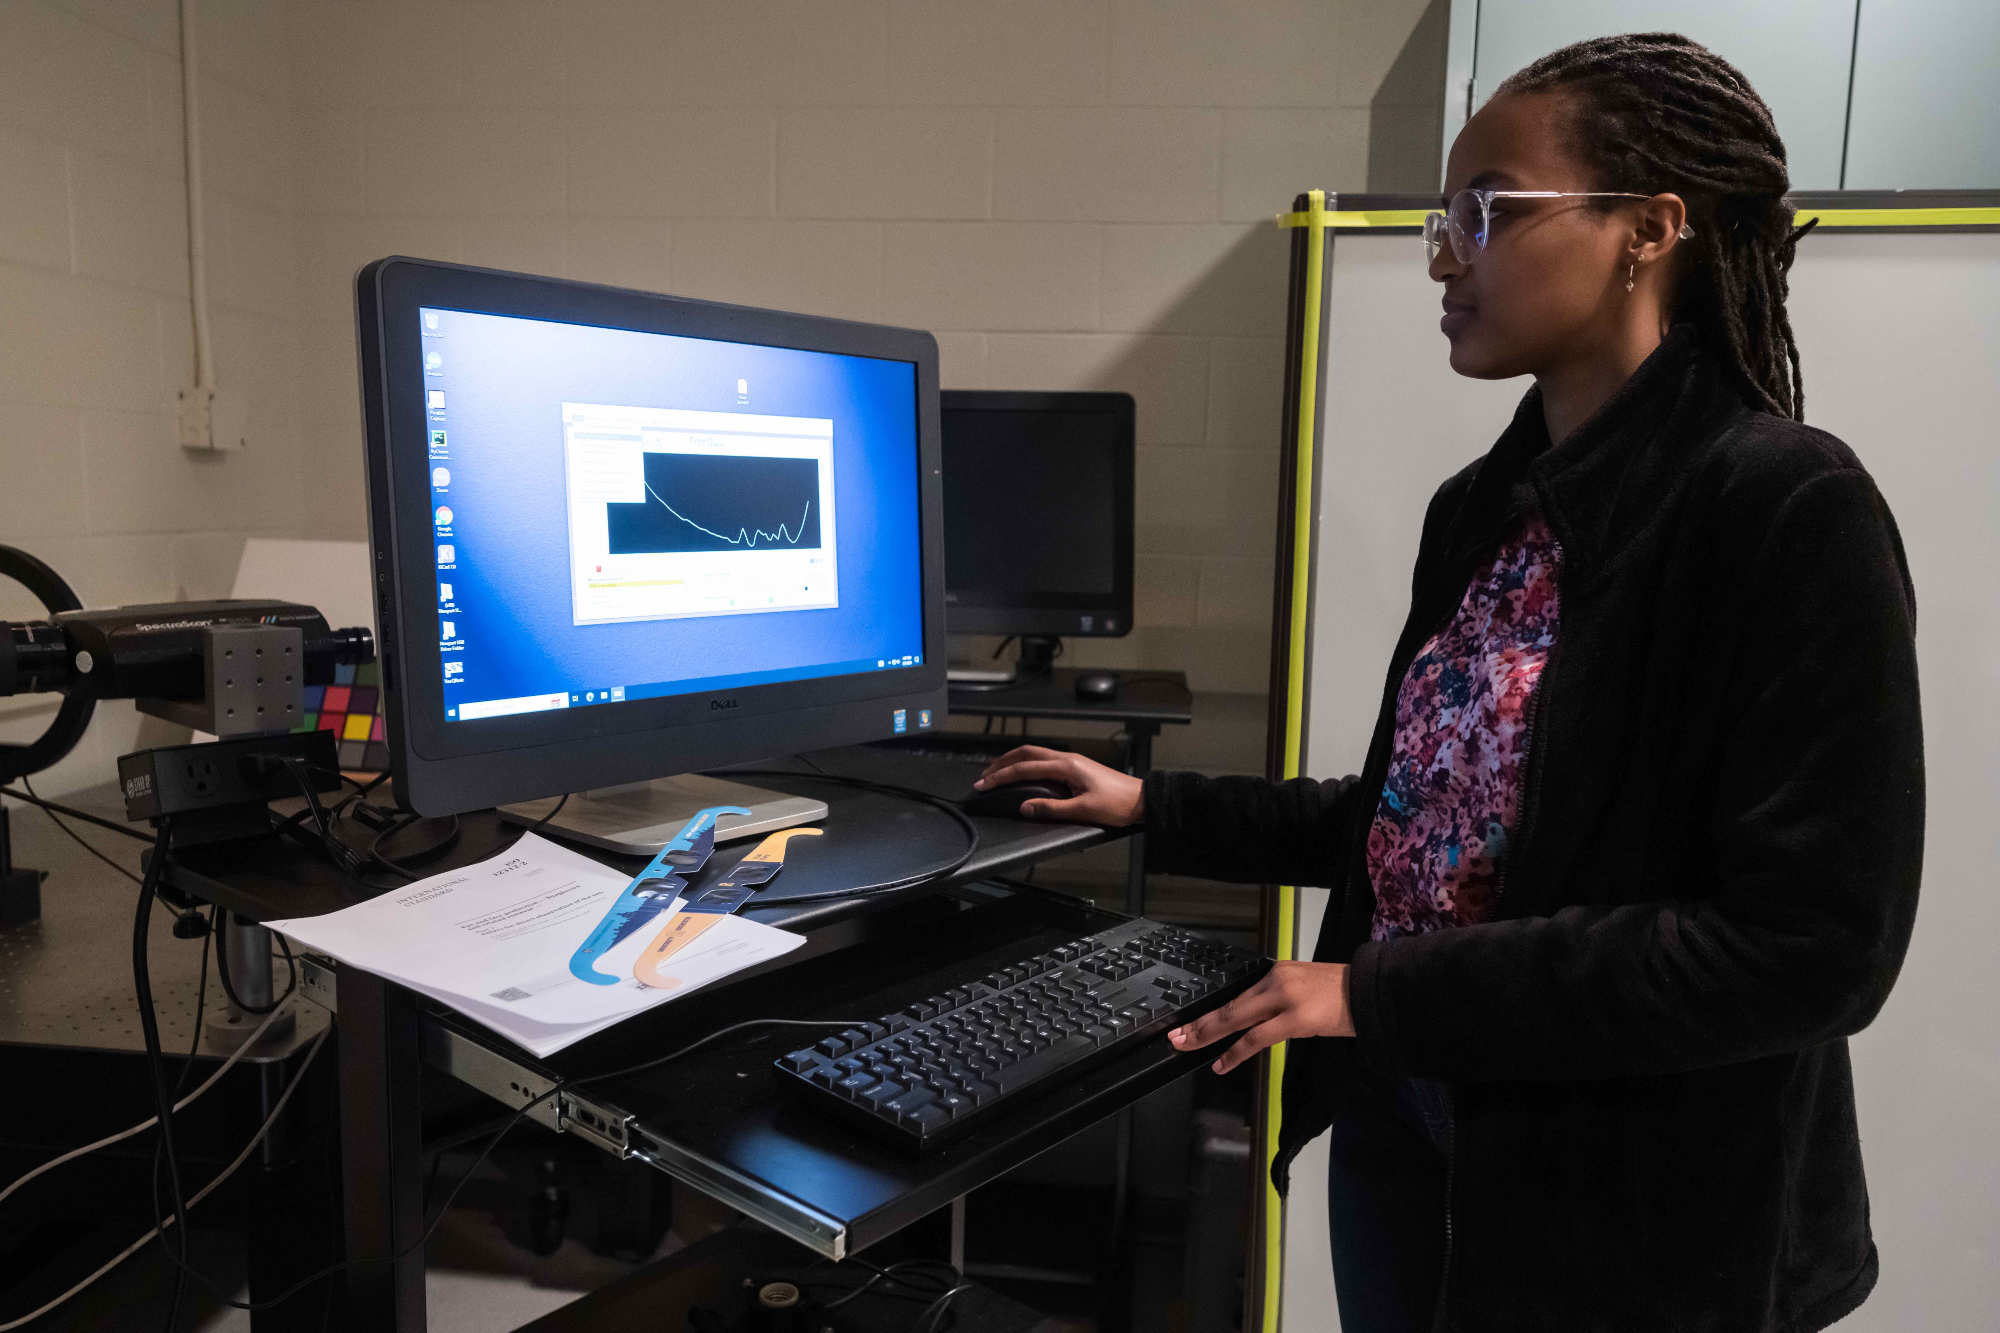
(1317,222)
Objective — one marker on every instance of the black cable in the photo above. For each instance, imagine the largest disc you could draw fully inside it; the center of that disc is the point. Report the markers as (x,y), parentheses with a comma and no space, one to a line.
(298,767)
(909,881)
(77,838)
(142,984)
(348,858)
(75,813)
(931,1288)
(200,1008)
(427,853)
(541,823)
(187,1066)
(716,1035)
(438,1148)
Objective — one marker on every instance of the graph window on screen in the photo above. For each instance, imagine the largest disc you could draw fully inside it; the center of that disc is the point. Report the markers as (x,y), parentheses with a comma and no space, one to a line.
(677,512)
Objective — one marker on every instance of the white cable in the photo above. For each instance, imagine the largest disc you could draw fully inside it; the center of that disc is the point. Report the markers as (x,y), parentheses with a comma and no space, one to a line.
(203,1193)
(204,354)
(927,1321)
(150,1120)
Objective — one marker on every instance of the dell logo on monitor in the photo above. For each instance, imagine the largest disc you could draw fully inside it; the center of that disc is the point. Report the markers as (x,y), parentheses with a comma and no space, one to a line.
(718,705)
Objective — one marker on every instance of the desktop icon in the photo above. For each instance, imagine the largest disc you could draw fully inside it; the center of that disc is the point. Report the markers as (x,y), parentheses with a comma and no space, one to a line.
(453,670)
(447,555)
(433,361)
(447,629)
(444,594)
(743,391)
(435,400)
(430,321)
(437,441)
(444,516)
(440,476)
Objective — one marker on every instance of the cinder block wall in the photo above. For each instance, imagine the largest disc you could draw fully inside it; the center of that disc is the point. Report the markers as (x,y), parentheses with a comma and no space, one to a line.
(95,334)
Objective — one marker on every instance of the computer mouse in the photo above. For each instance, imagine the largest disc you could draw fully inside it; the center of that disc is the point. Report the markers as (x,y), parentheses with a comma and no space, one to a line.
(1004,802)
(1096,685)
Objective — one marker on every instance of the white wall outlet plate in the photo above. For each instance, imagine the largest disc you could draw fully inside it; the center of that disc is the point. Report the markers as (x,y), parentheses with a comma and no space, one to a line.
(212,420)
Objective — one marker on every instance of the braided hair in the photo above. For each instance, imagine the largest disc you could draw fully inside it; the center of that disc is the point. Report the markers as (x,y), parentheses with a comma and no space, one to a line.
(1653,113)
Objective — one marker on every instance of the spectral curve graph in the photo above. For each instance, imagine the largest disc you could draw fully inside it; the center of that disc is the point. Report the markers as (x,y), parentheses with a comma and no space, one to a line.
(695,502)
(744,536)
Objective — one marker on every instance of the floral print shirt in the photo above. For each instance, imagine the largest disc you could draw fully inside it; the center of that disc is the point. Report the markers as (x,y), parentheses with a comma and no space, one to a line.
(1453,791)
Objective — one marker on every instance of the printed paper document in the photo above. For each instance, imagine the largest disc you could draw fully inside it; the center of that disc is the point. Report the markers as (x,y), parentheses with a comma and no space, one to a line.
(493,941)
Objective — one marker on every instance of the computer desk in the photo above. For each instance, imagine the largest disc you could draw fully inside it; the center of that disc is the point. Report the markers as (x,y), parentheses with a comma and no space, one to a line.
(716,1120)
(1146,702)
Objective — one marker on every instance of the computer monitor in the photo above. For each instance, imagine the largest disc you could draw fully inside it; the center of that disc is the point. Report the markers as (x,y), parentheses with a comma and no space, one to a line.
(620,536)
(1038,514)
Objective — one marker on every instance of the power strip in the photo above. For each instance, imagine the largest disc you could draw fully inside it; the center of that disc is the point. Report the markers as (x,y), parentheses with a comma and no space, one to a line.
(175,780)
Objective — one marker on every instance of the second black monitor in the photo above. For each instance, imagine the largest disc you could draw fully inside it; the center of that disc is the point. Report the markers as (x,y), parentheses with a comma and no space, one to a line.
(1038,512)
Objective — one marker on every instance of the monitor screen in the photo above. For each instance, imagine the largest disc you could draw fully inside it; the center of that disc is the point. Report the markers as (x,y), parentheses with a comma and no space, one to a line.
(1038,512)
(623,515)
(621,536)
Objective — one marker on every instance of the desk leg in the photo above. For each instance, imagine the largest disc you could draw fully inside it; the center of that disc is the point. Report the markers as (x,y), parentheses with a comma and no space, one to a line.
(1139,739)
(381,1144)
(958,1233)
(1118,1311)
(290,1199)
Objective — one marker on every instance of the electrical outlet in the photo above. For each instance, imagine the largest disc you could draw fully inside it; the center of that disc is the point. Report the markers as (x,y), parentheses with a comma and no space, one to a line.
(213,420)
(201,777)
(197,417)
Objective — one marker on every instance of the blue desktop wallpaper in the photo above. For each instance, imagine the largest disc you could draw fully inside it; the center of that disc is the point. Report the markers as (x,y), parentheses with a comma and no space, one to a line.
(504,381)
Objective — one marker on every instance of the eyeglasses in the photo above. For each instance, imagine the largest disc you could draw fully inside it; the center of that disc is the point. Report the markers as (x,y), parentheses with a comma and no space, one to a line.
(1468,219)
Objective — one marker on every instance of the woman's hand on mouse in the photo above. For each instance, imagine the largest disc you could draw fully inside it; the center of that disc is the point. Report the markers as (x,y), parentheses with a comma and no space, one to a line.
(1099,795)
(1293,1000)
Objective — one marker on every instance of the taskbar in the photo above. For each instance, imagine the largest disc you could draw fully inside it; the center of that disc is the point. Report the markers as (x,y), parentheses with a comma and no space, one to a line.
(480,709)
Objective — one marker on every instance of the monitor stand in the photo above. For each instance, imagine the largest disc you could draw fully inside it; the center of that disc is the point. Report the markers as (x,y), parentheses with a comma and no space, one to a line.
(643,817)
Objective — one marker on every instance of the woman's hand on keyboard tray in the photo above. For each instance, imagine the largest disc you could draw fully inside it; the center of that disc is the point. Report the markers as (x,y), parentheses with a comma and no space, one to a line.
(1100,795)
(1293,1000)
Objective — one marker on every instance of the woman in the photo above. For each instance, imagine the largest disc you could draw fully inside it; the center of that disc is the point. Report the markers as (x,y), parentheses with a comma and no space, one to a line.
(1637,840)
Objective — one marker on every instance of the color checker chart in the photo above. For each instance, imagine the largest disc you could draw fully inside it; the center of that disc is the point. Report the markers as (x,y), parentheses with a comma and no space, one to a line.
(350,708)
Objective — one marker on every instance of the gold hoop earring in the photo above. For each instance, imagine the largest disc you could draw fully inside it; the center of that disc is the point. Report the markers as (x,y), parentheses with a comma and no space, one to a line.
(1630,269)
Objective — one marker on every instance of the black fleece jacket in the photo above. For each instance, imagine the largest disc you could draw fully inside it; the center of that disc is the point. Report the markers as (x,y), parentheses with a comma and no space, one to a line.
(1711,882)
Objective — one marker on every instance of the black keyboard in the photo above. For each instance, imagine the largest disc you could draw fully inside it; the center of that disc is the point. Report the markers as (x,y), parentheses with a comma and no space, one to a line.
(946,1064)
